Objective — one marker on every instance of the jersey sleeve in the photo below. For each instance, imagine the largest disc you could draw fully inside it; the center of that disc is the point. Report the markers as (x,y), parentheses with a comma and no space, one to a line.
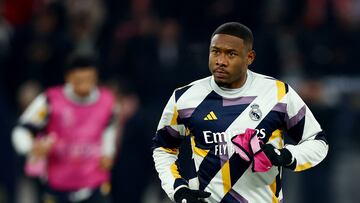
(31,121)
(166,143)
(110,136)
(304,129)
(36,114)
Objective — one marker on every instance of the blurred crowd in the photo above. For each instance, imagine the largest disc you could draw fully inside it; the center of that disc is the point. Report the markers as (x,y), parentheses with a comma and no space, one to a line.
(146,48)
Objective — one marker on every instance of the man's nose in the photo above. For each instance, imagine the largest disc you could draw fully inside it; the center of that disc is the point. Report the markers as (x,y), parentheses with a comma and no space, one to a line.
(221,60)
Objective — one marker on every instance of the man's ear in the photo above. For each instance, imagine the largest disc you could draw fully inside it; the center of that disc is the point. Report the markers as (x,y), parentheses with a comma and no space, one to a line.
(251,57)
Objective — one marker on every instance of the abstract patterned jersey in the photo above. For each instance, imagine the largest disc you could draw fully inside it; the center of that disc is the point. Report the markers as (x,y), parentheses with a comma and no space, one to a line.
(212,115)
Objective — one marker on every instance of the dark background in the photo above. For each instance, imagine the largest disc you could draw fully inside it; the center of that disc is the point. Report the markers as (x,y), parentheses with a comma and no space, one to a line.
(146,48)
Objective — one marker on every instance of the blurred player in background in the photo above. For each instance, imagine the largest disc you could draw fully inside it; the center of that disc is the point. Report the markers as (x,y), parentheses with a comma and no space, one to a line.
(68,134)
(237,120)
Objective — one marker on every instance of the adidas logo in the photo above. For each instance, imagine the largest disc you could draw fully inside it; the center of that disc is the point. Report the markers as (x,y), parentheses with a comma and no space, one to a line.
(210,117)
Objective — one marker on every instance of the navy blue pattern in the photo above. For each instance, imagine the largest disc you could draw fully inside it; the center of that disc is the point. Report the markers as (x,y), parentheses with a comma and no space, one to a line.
(228,198)
(180,181)
(273,120)
(297,130)
(321,136)
(164,139)
(233,197)
(237,167)
(180,92)
(32,128)
(278,184)
(211,164)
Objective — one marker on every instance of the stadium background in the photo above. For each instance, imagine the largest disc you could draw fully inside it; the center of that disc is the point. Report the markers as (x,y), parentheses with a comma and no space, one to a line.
(146,48)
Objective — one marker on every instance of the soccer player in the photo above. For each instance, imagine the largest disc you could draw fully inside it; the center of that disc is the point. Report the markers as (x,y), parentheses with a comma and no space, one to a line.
(68,134)
(229,104)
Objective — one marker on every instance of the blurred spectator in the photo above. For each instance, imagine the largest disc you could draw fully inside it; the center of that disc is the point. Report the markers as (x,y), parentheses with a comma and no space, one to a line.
(86,18)
(39,49)
(132,170)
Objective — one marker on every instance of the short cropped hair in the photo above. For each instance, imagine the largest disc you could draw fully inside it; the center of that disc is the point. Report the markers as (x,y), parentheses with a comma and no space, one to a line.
(76,62)
(236,29)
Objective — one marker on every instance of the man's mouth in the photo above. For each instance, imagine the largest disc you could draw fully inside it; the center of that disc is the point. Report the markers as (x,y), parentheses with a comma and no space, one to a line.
(220,73)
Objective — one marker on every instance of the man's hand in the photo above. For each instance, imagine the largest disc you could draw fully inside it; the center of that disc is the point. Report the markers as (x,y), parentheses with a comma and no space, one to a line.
(42,146)
(186,195)
(106,162)
(278,157)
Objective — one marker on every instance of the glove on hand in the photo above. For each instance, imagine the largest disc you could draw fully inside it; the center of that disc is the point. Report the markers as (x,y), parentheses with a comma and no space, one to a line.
(186,195)
(278,157)
(247,145)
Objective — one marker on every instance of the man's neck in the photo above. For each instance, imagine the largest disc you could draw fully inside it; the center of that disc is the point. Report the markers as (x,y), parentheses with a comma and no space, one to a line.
(232,92)
(70,94)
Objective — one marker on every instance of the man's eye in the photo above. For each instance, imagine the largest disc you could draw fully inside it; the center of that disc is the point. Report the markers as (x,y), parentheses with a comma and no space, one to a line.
(232,54)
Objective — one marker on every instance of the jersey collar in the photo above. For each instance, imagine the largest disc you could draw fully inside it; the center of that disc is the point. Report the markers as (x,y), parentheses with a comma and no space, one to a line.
(232,93)
(70,94)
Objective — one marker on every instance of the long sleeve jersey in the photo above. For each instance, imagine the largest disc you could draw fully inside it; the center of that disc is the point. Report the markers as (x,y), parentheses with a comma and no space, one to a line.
(212,115)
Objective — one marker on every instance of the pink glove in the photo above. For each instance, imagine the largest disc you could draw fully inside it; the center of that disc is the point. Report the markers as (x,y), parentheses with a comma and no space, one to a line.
(36,162)
(35,167)
(247,145)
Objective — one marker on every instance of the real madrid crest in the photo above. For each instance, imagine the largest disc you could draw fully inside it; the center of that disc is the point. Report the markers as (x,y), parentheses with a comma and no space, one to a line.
(255,113)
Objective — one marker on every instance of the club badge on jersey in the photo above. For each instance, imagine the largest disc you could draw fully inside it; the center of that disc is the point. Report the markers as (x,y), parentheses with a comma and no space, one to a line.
(255,113)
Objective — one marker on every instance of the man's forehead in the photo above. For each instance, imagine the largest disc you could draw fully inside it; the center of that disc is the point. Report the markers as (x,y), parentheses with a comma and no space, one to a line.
(226,41)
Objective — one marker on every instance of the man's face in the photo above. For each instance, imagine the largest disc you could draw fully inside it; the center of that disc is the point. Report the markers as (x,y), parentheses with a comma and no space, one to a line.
(82,80)
(229,58)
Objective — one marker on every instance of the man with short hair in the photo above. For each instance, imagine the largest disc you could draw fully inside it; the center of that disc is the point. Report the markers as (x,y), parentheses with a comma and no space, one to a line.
(237,120)
(69,135)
